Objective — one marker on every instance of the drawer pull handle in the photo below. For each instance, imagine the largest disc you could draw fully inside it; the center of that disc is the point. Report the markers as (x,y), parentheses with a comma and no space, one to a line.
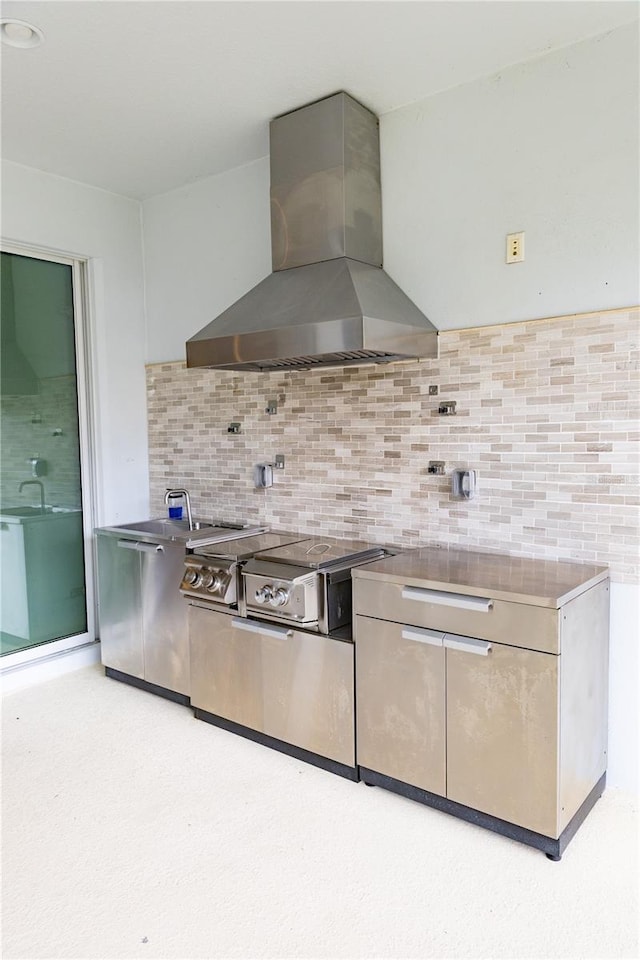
(467,644)
(140,546)
(433,637)
(252,627)
(459,600)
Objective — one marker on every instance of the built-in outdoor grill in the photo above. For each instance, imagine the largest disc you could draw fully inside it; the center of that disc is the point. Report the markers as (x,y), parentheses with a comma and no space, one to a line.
(270,642)
(212,574)
(307,583)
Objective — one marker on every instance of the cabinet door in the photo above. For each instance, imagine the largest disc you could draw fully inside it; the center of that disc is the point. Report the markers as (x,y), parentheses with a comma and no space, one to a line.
(120,606)
(308,692)
(293,686)
(400,697)
(502,732)
(166,639)
(225,668)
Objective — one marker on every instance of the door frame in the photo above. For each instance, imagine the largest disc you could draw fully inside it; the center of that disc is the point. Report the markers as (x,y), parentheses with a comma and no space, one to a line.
(84,334)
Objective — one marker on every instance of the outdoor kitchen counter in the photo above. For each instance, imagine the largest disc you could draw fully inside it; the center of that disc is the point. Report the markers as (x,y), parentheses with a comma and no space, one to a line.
(481,687)
(543,583)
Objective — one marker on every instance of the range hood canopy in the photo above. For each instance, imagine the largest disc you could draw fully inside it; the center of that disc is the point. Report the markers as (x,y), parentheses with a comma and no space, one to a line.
(328,301)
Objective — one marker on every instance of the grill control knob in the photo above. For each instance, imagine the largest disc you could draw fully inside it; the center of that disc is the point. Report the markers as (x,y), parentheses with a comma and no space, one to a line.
(211,581)
(192,576)
(263,595)
(279,598)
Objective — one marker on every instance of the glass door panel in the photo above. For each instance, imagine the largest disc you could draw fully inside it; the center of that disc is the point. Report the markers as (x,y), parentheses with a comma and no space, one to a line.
(42,562)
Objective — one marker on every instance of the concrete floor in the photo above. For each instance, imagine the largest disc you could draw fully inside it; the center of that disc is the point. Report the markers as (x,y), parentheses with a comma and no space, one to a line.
(132,830)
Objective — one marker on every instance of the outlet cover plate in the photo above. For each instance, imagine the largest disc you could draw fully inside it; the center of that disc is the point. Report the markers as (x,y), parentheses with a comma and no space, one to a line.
(515,247)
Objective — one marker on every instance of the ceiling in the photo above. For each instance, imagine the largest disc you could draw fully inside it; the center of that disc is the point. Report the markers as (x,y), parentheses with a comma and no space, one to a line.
(142,96)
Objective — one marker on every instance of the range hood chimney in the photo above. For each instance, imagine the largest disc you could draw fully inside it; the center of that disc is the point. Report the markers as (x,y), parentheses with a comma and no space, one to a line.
(328,301)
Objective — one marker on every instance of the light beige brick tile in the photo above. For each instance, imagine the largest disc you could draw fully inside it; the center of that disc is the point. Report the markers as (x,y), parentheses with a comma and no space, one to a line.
(548,413)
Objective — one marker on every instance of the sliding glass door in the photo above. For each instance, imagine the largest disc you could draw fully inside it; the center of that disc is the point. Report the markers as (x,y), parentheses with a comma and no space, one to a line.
(44,569)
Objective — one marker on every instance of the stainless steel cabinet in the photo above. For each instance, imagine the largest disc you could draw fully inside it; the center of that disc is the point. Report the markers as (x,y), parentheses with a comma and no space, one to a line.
(499,725)
(120,608)
(164,616)
(502,734)
(293,686)
(401,702)
(143,617)
(452,612)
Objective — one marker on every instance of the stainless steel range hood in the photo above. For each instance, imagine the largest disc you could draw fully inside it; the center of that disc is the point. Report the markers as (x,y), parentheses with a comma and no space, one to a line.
(328,301)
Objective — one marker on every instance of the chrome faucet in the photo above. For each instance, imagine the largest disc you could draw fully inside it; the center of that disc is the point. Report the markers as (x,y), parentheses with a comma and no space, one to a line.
(187,499)
(25,483)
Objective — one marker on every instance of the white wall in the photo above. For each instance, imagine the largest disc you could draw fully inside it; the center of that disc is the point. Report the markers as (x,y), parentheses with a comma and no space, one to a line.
(206,245)
(549,147)
(67,217)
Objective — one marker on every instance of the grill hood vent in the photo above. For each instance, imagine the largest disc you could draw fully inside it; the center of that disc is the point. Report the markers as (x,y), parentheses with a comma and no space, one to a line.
(328,301)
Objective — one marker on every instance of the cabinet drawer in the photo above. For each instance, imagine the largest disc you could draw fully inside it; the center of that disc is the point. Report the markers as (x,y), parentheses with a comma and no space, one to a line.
(514,624)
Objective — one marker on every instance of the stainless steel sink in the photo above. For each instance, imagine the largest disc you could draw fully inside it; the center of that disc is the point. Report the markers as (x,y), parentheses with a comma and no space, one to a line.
(178,532)
(169,529)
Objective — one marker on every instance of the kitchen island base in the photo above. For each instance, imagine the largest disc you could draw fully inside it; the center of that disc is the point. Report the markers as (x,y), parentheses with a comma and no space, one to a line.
(141,684)
(481,682)
(553,848)
(325,763)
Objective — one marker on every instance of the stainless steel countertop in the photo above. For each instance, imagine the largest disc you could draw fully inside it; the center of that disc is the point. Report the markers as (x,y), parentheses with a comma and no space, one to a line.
(163,530)
(544,583)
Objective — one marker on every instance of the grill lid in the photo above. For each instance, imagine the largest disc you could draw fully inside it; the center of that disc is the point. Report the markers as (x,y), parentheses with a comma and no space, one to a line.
(318,553)
(242,549)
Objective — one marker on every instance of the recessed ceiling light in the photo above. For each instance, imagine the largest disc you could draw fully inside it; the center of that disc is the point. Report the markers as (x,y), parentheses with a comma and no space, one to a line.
(19,33)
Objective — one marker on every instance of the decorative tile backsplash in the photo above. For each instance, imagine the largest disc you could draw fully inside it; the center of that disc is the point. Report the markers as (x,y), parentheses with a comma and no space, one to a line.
(547,412)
